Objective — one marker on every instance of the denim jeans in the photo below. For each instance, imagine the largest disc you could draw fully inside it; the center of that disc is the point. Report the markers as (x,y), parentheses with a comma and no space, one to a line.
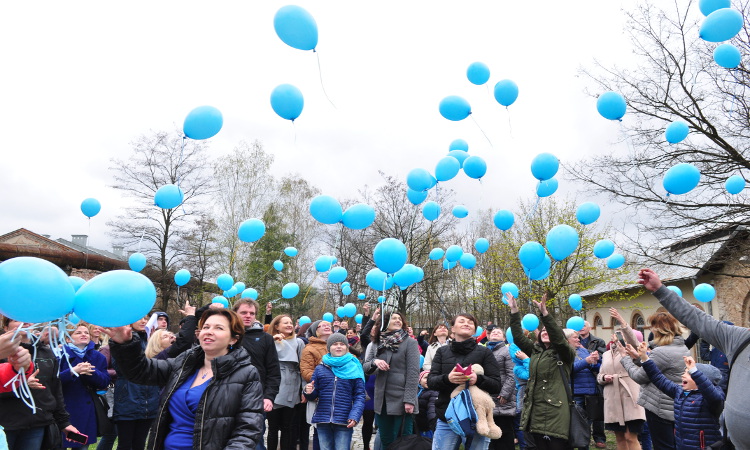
(445,439)
(334,437)
(30,439)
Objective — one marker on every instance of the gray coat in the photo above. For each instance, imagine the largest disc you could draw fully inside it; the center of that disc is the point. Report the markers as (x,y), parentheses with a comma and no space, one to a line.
(400,384)
(290,388)
(508,391)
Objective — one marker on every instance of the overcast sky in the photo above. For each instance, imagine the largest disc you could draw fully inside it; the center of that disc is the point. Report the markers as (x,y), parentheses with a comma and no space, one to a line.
(80,80)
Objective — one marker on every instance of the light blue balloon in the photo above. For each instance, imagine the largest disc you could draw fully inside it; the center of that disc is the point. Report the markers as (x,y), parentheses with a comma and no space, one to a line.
(359,216)
(361,296)
(460,155)
(727,56)
(328,317)
(509,335)
(225,281)
(676,131)
(479,332)
(615,261)
(77,282)
(390,255)
(221,300)
(541,271)
(675,289)
(588,213)
(509,287)
(381,299)
(341,312)
(137,262)
(304,320)
(467,261)
(681,179)
(378,280)
(709,6)
(460,211)
(506,92)
(90,207)
(34,290)
(250,293)
(721,25)
(453,253)
(346,283)
(251,230)
(447,168)
(475,167)
(481,245)
(575,301)
(326,209)
(350,309)
(290,290)
(478,73)
(459,144)
(114,299)
(436,253)
(72,318)
(416,197)
(296,27)
(324,263)
(287,101)
(168,196)
(611,105)
(575,323)
(447,265)
(530,322)
(203,122)
(531,254)
(562,241)
(546,188)
(704,292)
(431,211)
(407,275)
(239,287)
(358,318)
(337,275)
(230,293)
(503,219)
(454,108)
(181,277)
(544,166)
(419,180)
(290,251)
(604,248)
(735,184)
(278,265)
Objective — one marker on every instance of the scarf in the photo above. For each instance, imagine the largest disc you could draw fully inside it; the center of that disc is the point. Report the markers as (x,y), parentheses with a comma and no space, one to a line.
(463,347)
(81,353)
(353,340)
(491,345)
(391,340)
(346,367)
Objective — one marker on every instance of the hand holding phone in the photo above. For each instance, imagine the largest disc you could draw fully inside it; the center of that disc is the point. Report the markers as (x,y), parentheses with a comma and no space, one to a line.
(620,338)
(76,437)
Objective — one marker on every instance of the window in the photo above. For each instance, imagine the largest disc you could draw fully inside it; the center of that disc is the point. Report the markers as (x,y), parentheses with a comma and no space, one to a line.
(638,323)
(598,322)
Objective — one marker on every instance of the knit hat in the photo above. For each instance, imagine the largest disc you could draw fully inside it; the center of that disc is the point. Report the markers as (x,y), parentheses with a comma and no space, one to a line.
(638,335)
(336,337)
(711,372)
(313,330)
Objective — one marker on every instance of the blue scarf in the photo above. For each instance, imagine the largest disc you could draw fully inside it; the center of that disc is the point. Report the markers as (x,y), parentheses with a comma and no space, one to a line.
(81,353)
(346,367)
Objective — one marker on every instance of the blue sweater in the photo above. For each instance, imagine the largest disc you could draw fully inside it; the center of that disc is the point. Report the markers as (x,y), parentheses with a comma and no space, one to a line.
(338,399)
(584,374)
(696,413)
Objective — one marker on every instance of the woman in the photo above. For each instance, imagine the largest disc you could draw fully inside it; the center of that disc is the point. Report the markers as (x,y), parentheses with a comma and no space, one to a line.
(668,351)
(97,337)
(394,357)
(438,339)
(82,373)
(159,341)
(505,402)
(585,368)
(213,398)
(545,413)
(282,418)
(444,378)
(355,348)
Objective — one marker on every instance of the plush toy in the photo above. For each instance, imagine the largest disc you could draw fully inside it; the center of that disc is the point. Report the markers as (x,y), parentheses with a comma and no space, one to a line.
(484,405)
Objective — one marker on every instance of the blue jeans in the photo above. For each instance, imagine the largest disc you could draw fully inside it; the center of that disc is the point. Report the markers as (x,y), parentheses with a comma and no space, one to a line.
(445,439)
(332,436)
(30,439)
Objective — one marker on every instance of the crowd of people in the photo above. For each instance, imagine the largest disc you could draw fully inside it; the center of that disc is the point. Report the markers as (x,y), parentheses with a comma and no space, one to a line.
(228,379)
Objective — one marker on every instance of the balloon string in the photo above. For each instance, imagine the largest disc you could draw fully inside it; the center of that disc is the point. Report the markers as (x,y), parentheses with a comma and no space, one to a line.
(510,125)
(320,74)
(86,249)
(294,131)
(140,241)
(480,129)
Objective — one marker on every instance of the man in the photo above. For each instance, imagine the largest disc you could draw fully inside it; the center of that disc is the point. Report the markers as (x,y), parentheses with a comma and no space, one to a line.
(336,326)
(593,343)
(343,327)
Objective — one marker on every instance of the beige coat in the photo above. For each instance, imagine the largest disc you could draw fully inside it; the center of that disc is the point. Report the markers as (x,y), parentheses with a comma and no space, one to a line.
(620,395)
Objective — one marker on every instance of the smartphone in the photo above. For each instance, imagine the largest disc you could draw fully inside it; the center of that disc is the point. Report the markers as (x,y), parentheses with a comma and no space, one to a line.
(77,437)
(620,339)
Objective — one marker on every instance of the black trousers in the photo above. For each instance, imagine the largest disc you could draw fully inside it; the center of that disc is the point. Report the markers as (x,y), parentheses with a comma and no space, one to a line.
(282,420)
(506,440)
(131,434)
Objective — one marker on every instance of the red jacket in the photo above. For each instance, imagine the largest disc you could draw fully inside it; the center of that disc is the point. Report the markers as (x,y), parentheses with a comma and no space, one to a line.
(7,373)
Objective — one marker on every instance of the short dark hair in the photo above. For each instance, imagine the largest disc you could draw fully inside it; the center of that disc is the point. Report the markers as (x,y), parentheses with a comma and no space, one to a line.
(468,316)
(236,327)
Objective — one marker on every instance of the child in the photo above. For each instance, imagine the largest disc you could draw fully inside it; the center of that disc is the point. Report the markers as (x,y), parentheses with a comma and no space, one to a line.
(697,403)
(339,385)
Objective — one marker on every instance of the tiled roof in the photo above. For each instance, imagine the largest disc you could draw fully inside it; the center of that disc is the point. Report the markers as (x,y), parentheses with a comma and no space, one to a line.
(88,249)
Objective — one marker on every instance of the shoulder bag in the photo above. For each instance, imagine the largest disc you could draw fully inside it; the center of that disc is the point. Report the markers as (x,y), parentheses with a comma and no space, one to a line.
(579,432)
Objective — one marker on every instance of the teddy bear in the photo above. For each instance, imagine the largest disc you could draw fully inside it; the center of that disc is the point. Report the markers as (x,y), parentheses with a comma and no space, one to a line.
(484,406)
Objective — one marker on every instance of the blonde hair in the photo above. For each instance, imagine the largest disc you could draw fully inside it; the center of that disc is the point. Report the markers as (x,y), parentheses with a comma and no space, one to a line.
(153,347)
(665,327)
(273,327)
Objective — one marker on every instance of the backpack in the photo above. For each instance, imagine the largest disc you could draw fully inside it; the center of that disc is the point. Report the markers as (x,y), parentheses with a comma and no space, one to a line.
(461,415)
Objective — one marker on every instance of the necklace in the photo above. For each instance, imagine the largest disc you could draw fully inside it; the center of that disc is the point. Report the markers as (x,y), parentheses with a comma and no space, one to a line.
(205,374)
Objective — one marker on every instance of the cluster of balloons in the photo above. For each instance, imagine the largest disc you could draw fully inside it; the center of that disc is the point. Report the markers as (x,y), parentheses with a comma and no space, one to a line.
(328,211)
(348,310)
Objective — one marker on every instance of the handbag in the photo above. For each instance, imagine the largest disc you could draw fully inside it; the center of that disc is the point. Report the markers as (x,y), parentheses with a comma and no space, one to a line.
(101,409)
(411,441)
(579,432)
(594,407)
(52,437)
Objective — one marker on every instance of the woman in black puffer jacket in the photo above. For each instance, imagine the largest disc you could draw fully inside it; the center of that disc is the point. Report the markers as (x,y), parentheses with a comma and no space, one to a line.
(212,396)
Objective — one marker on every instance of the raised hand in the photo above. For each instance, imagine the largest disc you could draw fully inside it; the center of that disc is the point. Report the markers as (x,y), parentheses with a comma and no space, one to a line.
(119,335)
(542,305)
(642,351)
(632,352)
(34,381)
(649,279)
(616,314)
(8,345)
(187,310)
(269,308)
(689,362)
(511,302)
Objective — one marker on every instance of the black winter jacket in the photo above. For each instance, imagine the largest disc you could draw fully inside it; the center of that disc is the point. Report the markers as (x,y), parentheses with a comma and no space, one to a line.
(230,413)
(263,355)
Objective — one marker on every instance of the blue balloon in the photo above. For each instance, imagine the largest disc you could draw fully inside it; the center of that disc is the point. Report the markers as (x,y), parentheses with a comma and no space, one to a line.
(544,166)
(287,101)
(326,209)
(419,180)
(221,301)
(296,27)
(506,92)
(137,262)
(337,275)
(546,188)
(390,255)
(34,290)
(447,265)
(378,280)
(251,230)
(503,219)
(447,168)
(341,312)
(530,322)
(346,290)
(460,211)
(460,155)
(72,318)
(509,335)
(324,263)
(681,178)
(225,281)
(90,207)
(721,25)
(709,6)
(239,287)
(436,253)
(359,216)
(588,213)
(230,293)
(475,167)
(615,261)
(346,283)
(350,309)
(604,248)
(381,299)
(727,56)
(575,323)
(675,289)
(478,73)
(168,196)
(416,197)
(358,318)
(481,245)
(704,292)
(509,287)
(182,277)
(467,261)
(115,298)
(328,317)
(290,290)
(541,271)
(408,275)
(479,332)
(531,254)
(454,108)
(304,320)
(431,211)
(361,296)
(562,241)
(676,131)
(459,144)
(290,251)
(735,184)
(453,253)
(278,265)
(203,122)
(77,282)
(250,293)
(575,301)
(611,105)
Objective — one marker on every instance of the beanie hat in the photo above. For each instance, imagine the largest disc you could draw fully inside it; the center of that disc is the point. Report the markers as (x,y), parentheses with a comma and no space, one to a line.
(313,330)
(336,337)
(638,335)
(711,372)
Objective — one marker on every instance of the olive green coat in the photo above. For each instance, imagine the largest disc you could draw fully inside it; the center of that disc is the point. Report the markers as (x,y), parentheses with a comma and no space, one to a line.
(546,409)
